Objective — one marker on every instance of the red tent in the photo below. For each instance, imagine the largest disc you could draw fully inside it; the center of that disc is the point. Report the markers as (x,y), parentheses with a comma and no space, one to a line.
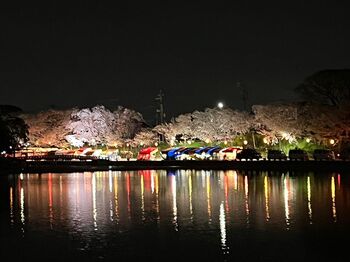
(147,153)
(230,149)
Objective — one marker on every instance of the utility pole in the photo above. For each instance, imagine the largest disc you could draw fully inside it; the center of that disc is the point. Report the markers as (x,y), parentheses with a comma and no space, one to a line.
(160,115)
(244,94)
(160,110)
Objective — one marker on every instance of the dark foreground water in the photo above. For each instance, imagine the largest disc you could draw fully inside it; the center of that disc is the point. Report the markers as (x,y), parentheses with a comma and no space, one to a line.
(179,215)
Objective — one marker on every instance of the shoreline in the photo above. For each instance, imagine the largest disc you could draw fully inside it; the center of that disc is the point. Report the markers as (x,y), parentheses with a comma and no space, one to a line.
(19,166)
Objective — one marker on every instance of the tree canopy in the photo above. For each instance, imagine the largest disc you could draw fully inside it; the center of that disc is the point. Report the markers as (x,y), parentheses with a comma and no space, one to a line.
(330,87)
(13,129)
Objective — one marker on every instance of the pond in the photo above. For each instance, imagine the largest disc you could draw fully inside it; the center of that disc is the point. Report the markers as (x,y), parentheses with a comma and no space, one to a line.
(175,215)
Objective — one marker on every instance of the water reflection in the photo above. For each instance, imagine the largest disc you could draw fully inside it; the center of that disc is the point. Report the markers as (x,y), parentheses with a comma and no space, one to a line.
(94,208)
(286,193)
(173,191)
(223,228)
(309,206)
(266,191)
(216,202)
(246,199)
(334,209)
(11,206)
(116,197)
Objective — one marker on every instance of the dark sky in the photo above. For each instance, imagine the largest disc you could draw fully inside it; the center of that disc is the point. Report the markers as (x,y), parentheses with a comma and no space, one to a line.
(87,54)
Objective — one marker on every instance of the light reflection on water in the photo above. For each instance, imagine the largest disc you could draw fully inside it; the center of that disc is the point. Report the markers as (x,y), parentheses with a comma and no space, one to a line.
(215,207)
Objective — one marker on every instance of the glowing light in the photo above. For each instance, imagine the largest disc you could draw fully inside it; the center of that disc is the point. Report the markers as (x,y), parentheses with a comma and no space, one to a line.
(245,142)
(266,190)
(128,193)
(21,176)
(152,183)
(22,206)
(208,197)
(266,141)
(156,143)
(110,181)
(307,140)
(223,228)
(334,209)
(331,141)
(142,198)
(116,197)
(61,194)
(220,105)
(286,198)
(11,206)
(246,187)
(190,194)
(110,210)
(94,210)
(157,196)
(309,199)
(173,189)
(226,192)
(50,200)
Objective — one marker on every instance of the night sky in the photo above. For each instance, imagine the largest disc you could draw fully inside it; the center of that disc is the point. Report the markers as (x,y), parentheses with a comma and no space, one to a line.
(62,55)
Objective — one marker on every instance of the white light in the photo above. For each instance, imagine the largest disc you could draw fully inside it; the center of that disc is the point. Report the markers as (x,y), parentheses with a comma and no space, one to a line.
(220,105)
(331,141)
(156,144)
(222,220)
(245,142)
(308,140)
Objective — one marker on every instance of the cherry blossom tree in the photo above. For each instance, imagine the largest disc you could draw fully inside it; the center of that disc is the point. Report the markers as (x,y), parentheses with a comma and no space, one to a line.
(99,125)
(300,120)
(212,124)
(146,137)
(276,121)
(48,128)
(76,127)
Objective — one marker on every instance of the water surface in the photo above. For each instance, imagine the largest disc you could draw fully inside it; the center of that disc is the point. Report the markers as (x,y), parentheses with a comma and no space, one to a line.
(178,215)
